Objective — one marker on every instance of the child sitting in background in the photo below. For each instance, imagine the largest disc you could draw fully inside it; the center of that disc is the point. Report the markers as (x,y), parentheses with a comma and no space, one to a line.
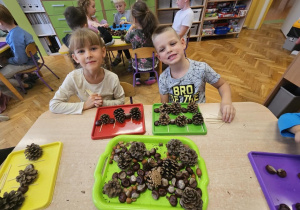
(122,17)
(88,49)
(88,6)
(184,80)
(139,35)
(17,39)
(183,19)
(289,125)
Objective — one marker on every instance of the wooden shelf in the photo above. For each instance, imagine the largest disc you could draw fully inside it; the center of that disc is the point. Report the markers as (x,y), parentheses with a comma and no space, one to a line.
(220,0)
(220,34)
(224,18)
(175,8)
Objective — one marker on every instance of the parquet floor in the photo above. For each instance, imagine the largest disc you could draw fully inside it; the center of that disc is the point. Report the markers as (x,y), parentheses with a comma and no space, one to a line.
(251,63)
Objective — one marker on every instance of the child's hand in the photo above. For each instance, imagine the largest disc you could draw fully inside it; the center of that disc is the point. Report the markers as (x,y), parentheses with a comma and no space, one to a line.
(92,101)
(122,22)
(228,112)
(104,25)
(99,101)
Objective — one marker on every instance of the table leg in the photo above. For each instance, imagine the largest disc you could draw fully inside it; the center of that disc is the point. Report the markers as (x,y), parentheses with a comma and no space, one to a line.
(10,87)
(159,68)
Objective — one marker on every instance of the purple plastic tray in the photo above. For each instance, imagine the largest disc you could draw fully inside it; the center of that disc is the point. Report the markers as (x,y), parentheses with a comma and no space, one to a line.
(277,190)
(2,44)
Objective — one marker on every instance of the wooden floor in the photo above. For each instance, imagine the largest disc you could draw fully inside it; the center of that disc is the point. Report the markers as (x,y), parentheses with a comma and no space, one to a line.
(251,63)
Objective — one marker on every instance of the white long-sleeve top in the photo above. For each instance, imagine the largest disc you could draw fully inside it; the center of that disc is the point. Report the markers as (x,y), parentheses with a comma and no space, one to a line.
(75,84)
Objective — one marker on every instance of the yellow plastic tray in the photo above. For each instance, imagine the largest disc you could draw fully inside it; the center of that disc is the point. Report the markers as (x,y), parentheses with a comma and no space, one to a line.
(41,190)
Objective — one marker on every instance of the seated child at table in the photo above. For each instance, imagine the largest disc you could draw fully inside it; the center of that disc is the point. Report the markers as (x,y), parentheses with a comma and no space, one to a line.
(17,39)
(289,125)
(88,49)
(184,80)
(122,17)
(139,35)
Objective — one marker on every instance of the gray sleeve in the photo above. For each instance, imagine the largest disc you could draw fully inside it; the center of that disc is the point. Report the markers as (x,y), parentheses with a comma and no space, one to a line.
(163,81)
(116,19)
(211,76)
(118,93)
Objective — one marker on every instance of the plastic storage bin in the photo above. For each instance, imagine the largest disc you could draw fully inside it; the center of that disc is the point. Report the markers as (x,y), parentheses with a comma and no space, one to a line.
(194,29)
(164,4)
(286,100)
(197,14)
(221,30)
(196,3)
(208,31)
(289,43)
(165,17)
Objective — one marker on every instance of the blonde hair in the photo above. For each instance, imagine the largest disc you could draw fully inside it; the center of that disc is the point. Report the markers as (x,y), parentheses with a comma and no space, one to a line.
(6,16)
(84,4)
(81,36)
(118,1)
(162,29)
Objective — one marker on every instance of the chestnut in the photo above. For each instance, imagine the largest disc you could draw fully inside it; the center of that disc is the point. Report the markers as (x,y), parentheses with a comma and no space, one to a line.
(189,170)
(136,166)
(115,175)
(129,172)
(98,122)
(140,180)
(125,182)
(140,172)
(132,180)
(270,169)
(156,123)
(157,156)
(122,197)
(171,189)
(152,151)
(199,191)
(173,200)
(162,192)
(281,173)
(122,175)
(155,195)
(178,193)
(141,188)
(156,110)
(159,162)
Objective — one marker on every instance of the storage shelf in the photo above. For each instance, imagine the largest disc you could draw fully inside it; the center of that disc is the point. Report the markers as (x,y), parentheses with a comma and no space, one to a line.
(42,11)
(224,18)
(220,0)
(176,8)
(220,34)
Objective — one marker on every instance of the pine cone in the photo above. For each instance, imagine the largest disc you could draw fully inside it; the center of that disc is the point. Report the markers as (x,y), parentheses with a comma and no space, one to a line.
(164,118)
(119,115)
(27,176)
(197,119)
(138,150)
(124,160)
(169,168)
(112,188)
(12,200)
(174,146)
(165,108)
(33,152)
(181,120)
(136,113)
(105,118)
(188,156)
(191,199)
(175,108)
(192,107)
(153,178)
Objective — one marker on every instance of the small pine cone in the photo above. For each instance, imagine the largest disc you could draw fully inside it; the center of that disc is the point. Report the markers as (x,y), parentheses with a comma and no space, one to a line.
(12,200)
(105,118)
(153,178)
(112,188)
(33,152)
(175,108)
(192,107)
(165,108)
(174,146)
(124,160)
(169,168)
(27,176)
(120,115)
(138,150)
(136,113)
(197,119)
(181,120)
(188,156)
(191,199)
(164,118)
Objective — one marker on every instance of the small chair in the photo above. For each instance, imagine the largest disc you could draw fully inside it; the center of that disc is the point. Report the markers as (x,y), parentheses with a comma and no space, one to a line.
(144,52)
(187,41)
(31,50)
(129,90)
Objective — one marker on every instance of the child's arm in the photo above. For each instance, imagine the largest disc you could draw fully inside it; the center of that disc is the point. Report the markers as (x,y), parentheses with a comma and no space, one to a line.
(289,125)
(183,30)
(164,98)
(296,131)
(227,109)
(118,95)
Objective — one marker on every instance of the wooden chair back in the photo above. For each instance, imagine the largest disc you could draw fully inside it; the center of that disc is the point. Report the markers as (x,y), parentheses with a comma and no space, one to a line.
(31,48)
(143,52)
(128,89)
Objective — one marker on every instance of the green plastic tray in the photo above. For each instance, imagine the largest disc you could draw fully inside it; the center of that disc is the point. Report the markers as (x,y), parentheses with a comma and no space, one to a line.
(104,171)
(189,129)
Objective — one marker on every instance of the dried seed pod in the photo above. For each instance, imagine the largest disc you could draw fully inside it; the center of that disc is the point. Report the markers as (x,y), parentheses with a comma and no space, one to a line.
(191,199)
(172,121)
(122,175)
(112,188)
(184,110)
(297,205)
(135,194)
(157,156)
(173,181)
(112,121)
(138,150)
(189,170)
(199,191)
(129,172)
(105,118)
(136,113)
(199,172)
(281,173)
(159,162)
(33,152)
(152,151)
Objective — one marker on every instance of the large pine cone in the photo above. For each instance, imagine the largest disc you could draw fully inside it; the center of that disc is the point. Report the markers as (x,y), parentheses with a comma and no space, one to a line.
(197,119)
(188,156)
(169,168)
(181,120)
(135,113)
(12,200)
(165,108)
(27,176)
(119,115)
(105,118)
(138,150)
(153,178)
(192,107)
(174,146)
(124,160)
(33,152)
(112,188)
(175,108)
(191,199)
(164,118)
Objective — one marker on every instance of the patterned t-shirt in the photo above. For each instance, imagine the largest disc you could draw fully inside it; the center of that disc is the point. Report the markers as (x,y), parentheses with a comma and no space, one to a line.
(138,40)
(190,87)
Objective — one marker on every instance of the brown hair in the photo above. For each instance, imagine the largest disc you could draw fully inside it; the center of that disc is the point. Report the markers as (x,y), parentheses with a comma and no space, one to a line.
(6,16)
(161,29)
(84,4)
(144,17)
(81,36)
(75,17)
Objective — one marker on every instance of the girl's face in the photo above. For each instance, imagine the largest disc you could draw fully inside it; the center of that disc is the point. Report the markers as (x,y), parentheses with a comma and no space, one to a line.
(91,9)
(90,57)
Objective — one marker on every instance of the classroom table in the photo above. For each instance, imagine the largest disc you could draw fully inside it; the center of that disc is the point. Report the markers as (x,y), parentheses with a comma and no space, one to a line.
(232,182)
